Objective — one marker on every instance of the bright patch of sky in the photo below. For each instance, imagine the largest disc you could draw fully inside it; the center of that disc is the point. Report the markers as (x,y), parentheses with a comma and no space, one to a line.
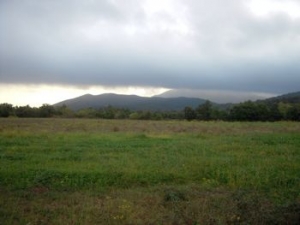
(37,95)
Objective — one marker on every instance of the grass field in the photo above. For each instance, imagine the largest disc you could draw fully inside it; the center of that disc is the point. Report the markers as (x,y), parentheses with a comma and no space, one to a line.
(81,171)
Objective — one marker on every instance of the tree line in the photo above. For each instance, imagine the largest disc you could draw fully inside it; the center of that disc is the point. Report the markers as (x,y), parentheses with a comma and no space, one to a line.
(109,112)
(245,111)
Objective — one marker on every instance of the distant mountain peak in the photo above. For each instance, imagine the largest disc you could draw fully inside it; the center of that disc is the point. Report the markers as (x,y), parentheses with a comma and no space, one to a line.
(167,101)
(132,102)
(293,97)
(218,96)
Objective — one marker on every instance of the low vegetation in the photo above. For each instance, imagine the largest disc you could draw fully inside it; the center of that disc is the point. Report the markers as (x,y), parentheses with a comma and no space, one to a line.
(246,111)
(88,171)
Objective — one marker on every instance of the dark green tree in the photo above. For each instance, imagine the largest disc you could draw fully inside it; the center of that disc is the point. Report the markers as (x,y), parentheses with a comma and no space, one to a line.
(204,111)
(107,112)
(26,111)
(218,114)
(47,110)
(293,113)
(189,113)
(274,113)
(263,111)
(122,114)
(245,111)
(6,110)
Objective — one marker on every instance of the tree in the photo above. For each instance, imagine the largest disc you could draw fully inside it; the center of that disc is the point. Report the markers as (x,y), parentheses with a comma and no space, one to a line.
(204,111)
(6,110)
(122,113)
(134,116)
(26,111)
(245,111)
(87,113)
(284,108)
(294,113)
(274,115)
(64,111)
(263,111)
(107,112)
(189,113)
(47,110)
(251,111)
(218,114)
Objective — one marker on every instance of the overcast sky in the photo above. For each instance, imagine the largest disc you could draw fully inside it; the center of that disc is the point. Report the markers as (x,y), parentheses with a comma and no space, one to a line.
(241,46)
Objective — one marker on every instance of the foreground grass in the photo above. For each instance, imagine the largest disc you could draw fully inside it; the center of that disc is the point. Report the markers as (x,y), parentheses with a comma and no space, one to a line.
(68,171)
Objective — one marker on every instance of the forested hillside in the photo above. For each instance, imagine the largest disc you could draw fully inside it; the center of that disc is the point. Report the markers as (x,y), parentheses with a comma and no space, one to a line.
(285,107)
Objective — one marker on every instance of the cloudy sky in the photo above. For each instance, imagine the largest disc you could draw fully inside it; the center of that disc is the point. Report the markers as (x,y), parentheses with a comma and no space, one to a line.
(51,50)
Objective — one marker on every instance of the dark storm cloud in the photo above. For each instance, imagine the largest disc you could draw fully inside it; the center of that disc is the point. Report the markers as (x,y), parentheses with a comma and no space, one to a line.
(190,44)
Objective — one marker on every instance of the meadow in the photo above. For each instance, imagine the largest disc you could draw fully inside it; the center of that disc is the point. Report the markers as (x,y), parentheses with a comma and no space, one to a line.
(92,171)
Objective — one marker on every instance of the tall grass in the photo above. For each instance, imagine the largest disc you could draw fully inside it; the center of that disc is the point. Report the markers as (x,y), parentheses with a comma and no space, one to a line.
(243,165)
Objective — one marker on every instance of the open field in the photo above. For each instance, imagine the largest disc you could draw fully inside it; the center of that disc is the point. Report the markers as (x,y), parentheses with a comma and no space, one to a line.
(81,171)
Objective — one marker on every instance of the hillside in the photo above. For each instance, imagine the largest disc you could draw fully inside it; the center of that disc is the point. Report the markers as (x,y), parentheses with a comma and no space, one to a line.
(286,98)
(132,102)
(156,103)
(220,96)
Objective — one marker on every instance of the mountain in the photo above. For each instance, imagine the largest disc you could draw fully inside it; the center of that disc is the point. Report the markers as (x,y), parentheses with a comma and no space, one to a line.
(286,98)
(132,102)
(218,96)
(156,103)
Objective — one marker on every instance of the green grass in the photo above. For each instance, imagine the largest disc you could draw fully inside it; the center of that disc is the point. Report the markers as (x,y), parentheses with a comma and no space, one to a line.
(79,171)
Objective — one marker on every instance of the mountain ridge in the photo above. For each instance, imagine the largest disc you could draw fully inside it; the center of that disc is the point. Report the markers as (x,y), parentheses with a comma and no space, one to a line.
(220,96)
(155,103)
(133,102)
(293,97)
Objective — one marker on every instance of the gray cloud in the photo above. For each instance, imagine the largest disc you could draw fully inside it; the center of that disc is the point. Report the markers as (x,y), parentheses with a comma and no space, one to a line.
(187,45)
